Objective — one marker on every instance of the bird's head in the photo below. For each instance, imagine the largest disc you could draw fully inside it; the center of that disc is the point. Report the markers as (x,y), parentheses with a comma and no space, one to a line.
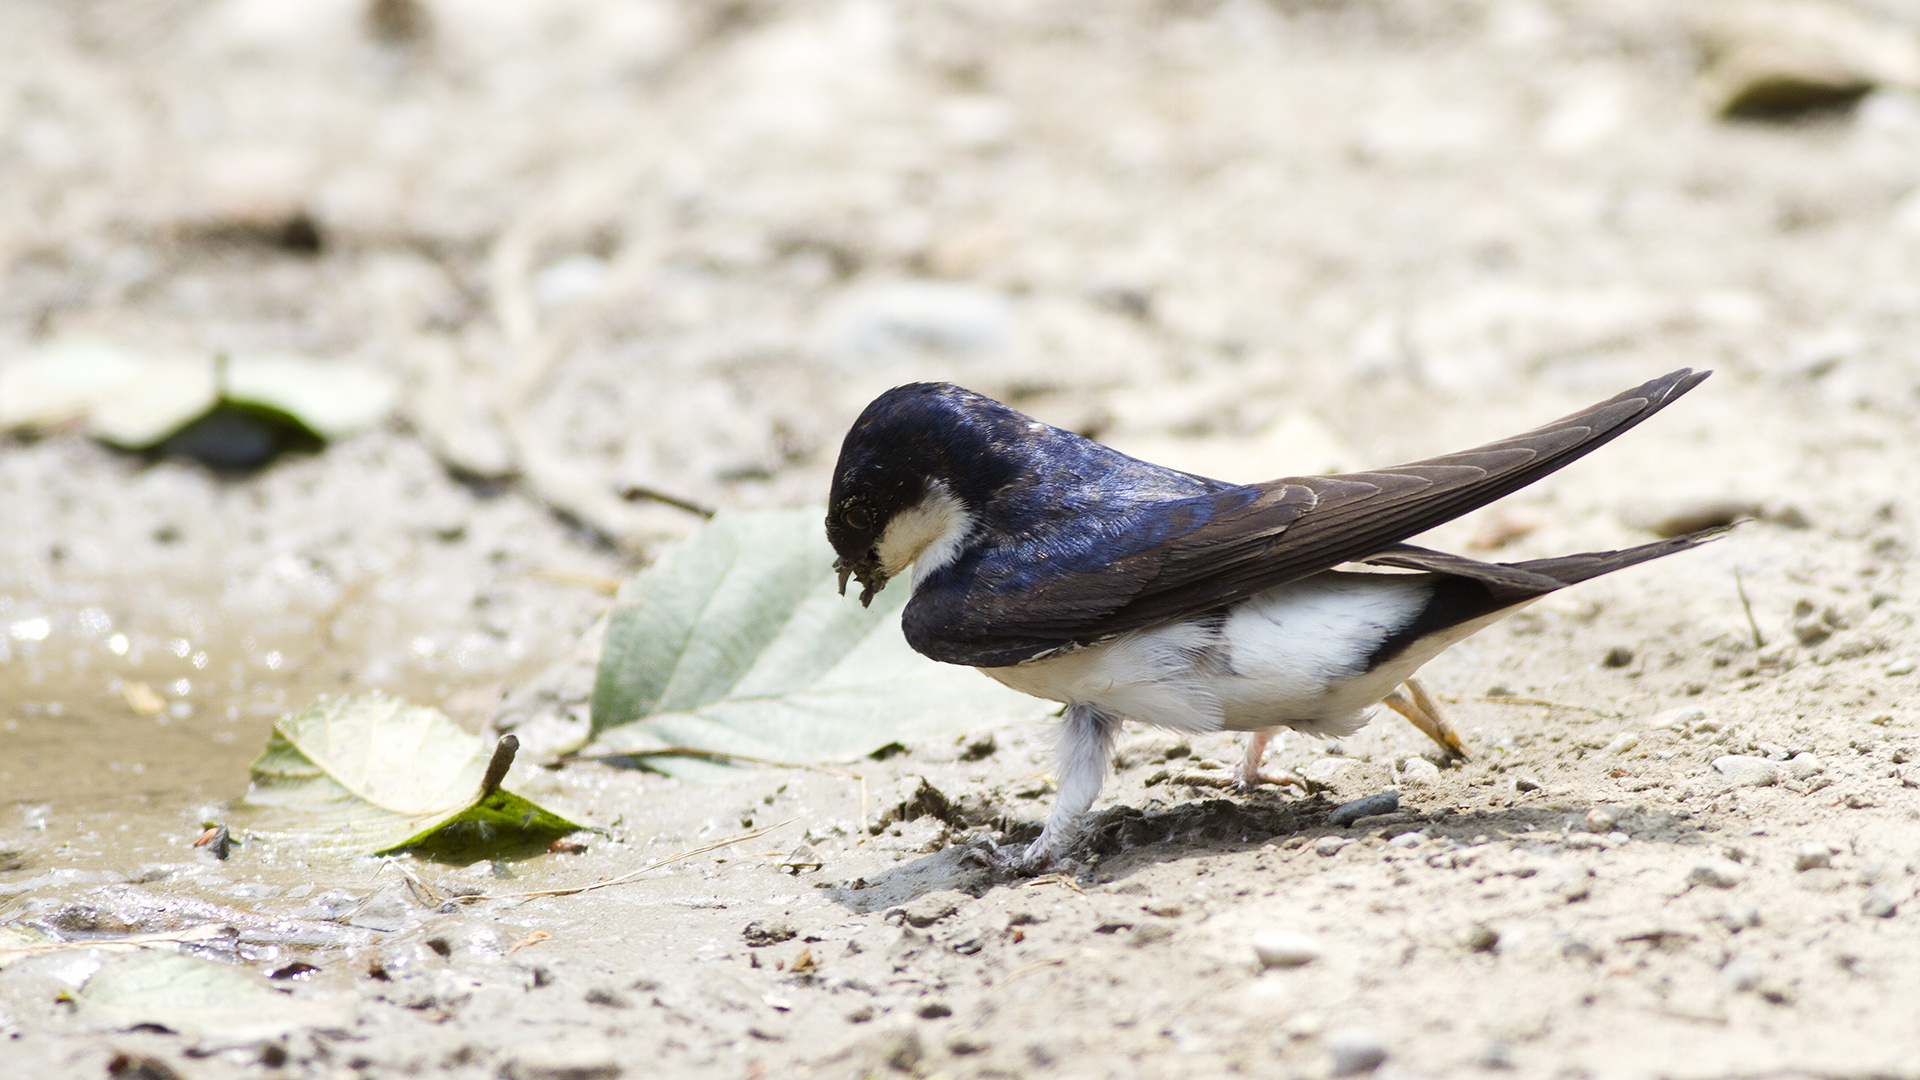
(913,473)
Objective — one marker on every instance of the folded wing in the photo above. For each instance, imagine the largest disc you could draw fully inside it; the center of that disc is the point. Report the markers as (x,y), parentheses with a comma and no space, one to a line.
(1225,546)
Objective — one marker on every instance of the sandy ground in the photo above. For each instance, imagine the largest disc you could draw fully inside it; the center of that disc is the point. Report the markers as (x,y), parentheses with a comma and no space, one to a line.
(675,246)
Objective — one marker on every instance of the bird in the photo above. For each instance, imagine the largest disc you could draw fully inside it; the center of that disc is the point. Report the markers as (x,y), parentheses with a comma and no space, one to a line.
(1126,590)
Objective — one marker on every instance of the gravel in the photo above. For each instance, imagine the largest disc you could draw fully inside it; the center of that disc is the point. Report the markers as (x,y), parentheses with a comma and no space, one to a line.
(1356,1050)
(1718,873)
(1811,856)
(1386,802)
(1285,948)
(1743,770)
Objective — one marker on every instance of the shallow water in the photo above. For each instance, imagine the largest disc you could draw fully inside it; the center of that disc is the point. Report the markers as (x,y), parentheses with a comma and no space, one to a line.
(117,746)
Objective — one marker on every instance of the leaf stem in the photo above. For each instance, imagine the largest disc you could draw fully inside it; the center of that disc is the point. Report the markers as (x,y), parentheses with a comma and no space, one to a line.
(502,760)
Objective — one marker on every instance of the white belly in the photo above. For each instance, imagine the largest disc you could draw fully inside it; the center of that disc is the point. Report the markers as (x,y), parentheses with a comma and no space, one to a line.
(1292,656)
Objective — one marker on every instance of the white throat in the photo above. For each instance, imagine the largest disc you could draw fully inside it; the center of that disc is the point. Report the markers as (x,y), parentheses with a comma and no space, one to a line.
(926,536)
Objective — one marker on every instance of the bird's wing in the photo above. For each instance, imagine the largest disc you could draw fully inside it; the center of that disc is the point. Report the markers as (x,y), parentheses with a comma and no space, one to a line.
(1212,550)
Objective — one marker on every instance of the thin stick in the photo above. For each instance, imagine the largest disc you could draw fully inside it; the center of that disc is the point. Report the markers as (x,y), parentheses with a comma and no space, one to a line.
(1036,966)
(425,892)
(1543,702)
(638,492)
(204,932)
(1747,606)
(630,875)
(718,755)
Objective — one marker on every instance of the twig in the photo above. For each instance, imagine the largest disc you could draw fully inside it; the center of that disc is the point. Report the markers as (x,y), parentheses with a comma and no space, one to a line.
(639,492)
(1036,966)
(693,752)
(427,893)
(534,938)
(203,932)
(562,484)
(1747,606)
(1543,702)
(631,874)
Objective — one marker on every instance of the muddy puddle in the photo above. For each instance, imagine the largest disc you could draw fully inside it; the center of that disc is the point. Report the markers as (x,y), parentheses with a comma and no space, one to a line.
(118,742)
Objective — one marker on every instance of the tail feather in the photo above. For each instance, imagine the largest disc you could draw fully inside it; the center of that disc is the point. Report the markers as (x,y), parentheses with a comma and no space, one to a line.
(1569,569)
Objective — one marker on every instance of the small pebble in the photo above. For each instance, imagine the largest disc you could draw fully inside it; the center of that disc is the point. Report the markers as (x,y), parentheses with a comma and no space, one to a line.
(573,1058)
(1329,845)
(1483,938)
(1419,772)
(1902,666)
(1497,1055)
(1879,904)
(1525,783)
(1602,819)
(1719,873)
(1741,974)
(1386,802)
(1582,841)
(1408,840)
(1746,771)
(1802,765)
(1623,742)
(1617,657)
(762,932)
(1812,856)
(1355,1050)
(1285,948)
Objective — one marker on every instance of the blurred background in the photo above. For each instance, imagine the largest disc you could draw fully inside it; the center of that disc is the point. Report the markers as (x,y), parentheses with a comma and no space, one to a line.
(518,292)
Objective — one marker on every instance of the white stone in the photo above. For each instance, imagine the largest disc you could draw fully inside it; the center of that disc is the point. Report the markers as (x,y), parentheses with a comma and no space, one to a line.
(1812,855)
(1743,770)
(1419,772)
(1719,873)
(1803,765)
(1285,948)
(1623,742)
(574,1058)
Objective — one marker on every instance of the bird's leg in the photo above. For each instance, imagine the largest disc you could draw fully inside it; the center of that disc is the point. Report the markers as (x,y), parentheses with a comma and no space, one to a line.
(1086,744)
(1423,712)
(1250,775)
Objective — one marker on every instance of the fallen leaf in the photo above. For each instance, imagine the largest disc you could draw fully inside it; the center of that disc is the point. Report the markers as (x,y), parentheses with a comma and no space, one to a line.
(739,644)
(198,998)
(374,774)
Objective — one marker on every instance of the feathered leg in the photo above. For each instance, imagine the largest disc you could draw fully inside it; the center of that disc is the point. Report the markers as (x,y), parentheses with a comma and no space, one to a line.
(1086,745)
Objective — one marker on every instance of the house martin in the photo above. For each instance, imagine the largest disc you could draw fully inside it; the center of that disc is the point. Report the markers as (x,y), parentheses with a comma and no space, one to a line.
(1127,590)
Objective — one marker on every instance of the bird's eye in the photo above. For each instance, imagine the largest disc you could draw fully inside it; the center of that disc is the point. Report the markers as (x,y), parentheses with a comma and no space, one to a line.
(856,518)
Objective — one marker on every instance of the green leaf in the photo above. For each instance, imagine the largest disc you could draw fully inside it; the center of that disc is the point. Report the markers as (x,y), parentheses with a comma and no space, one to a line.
(200,999)
(375,775)
(738,643)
